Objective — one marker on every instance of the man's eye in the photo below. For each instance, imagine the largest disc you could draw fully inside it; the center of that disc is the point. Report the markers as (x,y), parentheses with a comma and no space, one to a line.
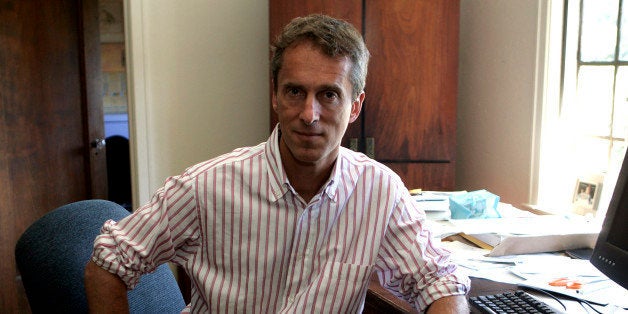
(293,91)
(330,95)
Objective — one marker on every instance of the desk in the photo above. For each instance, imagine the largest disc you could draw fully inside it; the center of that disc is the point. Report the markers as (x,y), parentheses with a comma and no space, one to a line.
(380,300)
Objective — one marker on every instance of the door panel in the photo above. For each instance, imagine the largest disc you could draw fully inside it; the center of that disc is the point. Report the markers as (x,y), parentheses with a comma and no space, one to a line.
(49,111)
(426,176)
(410,108)
(92,102)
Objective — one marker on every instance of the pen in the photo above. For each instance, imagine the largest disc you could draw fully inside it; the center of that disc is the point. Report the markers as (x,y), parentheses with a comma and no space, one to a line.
(589,290)
(590,287)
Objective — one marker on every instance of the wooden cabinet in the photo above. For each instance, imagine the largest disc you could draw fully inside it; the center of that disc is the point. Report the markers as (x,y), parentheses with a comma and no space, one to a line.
(408,120)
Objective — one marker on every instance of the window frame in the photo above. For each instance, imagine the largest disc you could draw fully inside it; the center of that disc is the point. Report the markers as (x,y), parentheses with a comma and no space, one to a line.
(550,187)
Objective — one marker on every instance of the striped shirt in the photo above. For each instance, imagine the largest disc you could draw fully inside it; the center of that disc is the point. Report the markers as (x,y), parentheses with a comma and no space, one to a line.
(251,244)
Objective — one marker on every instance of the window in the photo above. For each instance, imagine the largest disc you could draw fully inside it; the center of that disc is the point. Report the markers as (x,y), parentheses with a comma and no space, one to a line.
(587,138)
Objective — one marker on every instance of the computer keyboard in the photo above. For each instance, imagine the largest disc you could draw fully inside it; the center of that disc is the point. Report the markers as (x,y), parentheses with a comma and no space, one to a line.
(509,302)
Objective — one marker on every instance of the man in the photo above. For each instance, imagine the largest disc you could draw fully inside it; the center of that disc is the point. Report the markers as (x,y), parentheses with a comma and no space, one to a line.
(295,224)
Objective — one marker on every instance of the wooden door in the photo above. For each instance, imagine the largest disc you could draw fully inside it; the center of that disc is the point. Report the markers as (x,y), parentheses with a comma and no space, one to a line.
(410,108)
(283,11)
(50,111)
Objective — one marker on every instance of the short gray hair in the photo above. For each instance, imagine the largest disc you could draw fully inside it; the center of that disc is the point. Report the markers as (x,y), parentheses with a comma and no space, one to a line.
(335,38)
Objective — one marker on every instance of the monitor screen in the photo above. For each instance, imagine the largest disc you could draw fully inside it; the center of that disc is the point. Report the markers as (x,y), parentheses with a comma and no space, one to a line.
(610,254)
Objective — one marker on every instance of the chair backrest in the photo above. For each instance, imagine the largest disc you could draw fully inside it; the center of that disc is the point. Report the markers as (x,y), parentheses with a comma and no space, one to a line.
(52,253)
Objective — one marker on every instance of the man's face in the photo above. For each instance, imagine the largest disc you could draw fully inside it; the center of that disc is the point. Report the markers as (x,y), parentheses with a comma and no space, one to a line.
(314,104)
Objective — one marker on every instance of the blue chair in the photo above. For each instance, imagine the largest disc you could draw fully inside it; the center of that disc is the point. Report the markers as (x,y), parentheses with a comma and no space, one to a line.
(52,253)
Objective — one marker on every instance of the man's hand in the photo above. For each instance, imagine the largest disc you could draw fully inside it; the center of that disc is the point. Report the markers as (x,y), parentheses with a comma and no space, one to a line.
(106,292)
(451,304)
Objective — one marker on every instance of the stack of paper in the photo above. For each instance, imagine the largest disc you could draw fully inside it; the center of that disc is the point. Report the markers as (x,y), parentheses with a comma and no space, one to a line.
(520,235)
(434,204)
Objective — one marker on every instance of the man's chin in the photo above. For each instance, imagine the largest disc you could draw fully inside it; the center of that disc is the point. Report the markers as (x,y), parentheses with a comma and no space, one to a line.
(307,157)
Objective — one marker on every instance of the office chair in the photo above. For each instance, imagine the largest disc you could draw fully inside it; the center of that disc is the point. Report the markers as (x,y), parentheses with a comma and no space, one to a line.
(52,253)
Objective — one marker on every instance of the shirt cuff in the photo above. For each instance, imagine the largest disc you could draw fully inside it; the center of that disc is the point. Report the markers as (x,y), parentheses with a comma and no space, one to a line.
(108,255)
(453,284)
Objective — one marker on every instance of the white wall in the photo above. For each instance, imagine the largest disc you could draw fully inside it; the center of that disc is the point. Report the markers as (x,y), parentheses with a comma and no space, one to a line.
(501,62)
(199,73)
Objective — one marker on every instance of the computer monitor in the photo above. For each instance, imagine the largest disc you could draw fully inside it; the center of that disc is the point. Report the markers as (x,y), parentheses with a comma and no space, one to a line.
(610,254)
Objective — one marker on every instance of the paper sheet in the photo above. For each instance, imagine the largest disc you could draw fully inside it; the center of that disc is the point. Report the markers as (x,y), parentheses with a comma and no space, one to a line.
(533,234)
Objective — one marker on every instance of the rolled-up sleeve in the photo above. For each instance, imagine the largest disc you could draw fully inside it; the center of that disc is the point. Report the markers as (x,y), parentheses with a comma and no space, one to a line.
(165,229)
(411,263)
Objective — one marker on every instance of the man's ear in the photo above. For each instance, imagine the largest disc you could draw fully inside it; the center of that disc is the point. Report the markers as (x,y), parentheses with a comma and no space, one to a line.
(356,107)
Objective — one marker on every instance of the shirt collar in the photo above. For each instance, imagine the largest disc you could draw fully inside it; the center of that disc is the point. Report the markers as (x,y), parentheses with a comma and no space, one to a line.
(279,183)
(278,180)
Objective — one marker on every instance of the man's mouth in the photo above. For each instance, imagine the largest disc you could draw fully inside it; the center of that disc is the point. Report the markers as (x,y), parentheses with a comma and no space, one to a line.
(307,134)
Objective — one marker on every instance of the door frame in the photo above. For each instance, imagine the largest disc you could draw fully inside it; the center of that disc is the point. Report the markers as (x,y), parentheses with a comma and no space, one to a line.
(137,103)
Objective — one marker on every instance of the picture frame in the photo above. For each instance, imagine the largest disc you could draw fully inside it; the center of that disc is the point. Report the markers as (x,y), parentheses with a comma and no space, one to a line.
(586,195)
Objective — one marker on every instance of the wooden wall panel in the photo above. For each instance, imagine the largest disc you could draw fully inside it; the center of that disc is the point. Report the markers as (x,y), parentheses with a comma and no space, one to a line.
(412,82)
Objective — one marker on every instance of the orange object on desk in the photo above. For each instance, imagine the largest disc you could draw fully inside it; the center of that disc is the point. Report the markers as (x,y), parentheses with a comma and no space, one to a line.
(566,282)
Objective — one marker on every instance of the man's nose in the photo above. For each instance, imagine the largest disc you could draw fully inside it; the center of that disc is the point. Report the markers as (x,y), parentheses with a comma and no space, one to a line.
(311,110)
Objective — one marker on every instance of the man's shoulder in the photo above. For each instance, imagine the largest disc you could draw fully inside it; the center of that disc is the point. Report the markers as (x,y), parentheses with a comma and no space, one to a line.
(363,162)
(237,157)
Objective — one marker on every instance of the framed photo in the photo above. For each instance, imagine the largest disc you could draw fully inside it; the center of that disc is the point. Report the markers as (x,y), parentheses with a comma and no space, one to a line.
(586,196)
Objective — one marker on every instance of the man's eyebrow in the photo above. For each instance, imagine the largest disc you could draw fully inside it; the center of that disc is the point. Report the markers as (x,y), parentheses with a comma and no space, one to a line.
(290,84)
(333,87)
(325,87)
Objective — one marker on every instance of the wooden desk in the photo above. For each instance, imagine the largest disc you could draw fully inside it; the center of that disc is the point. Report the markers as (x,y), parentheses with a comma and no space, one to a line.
(380,300)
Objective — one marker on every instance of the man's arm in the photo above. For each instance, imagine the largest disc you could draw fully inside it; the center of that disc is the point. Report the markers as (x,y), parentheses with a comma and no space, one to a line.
(450,304)
(106,292)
